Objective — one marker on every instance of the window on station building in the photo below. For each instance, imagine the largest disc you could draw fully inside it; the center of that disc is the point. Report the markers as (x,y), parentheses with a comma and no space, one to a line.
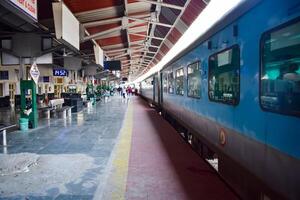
(170,82)
(224,76)
(4,75)
(280,69)
(6,43)
(179,81)
(46,79)
(59,80)
(194,80)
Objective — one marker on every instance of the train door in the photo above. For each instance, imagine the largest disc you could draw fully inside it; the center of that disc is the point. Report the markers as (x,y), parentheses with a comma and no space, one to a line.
(153,89)
(12,92)
(156,89)
(161,88)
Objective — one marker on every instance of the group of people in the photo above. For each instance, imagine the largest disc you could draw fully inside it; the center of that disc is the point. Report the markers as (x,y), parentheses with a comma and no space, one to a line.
(125,91)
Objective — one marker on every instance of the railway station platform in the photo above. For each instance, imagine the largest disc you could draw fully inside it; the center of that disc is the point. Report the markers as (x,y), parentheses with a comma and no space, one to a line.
(114,150)
(218,112)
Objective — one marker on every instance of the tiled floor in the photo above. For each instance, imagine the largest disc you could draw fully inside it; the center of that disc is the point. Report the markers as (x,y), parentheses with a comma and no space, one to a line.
(72,154)
(9,115)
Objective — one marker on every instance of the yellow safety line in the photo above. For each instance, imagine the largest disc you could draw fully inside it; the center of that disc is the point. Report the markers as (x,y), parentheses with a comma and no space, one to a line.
(120,163)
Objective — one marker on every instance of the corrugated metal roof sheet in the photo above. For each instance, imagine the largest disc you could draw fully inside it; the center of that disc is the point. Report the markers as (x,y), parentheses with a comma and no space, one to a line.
(174,35)
(192,11)
(168,15)
(164,49)
(161,31)
(176,2)
(87,5)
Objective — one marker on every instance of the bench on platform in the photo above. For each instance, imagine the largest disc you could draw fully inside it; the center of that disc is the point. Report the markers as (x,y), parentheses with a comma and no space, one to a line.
(56,109)
(45,112)
(55,105)
(65,111)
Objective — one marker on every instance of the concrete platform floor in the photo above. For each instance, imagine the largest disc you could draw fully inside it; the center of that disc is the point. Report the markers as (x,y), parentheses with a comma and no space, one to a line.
(62,158)
(151,161)
(9,115)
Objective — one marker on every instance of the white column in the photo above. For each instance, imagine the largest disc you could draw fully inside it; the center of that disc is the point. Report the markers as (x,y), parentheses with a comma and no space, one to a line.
(4,138)
(76,74)
(18,88)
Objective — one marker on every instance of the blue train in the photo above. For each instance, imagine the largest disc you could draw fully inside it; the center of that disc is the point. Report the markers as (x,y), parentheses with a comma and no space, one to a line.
(235,93)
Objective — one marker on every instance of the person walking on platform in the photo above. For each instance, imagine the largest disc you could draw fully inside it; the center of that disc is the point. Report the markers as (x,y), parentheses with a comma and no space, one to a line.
(129,91)
(120,90)
(124,92)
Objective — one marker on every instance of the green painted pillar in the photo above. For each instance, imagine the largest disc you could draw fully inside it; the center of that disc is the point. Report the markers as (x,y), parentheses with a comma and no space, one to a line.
(90,91)
(25,86)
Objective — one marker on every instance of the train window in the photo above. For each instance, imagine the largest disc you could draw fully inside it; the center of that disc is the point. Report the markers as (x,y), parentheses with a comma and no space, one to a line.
(147,84)
(280,69)
(179,81)
(165,82)
(224,76)
(194,80)
(171,82)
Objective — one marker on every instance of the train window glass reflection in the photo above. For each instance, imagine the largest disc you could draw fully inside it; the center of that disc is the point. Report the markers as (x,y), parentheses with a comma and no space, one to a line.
(170,82)
(194,80)
(224,76)
(148,83)
(179,81)
(280,70)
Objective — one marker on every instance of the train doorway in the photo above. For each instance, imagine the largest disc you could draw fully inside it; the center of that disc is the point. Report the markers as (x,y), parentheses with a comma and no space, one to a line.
(161,88)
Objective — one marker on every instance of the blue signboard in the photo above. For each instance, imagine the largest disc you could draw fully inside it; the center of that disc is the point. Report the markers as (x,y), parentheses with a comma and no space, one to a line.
(60,72)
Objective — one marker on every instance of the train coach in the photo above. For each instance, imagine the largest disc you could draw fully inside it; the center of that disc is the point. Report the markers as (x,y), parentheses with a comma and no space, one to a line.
(235,93)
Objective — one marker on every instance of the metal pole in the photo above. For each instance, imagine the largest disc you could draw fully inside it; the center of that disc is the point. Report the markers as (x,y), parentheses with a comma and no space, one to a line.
(21,70)
(4,138)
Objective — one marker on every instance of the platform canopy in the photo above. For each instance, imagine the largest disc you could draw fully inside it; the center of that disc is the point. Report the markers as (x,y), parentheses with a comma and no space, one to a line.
(137,32)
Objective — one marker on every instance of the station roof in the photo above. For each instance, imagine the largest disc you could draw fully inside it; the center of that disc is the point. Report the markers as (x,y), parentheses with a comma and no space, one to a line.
(137,32)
